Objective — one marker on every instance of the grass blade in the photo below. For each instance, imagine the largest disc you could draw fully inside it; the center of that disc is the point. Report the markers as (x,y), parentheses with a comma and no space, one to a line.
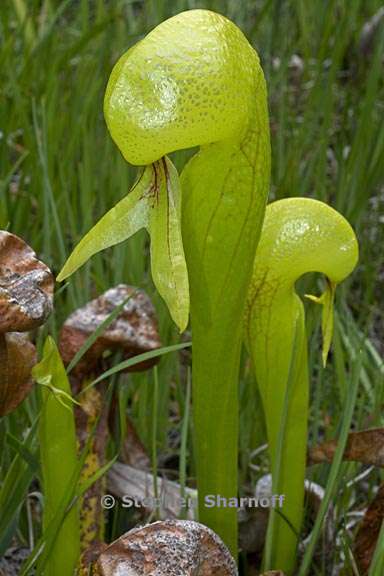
(136,360)
(335,467)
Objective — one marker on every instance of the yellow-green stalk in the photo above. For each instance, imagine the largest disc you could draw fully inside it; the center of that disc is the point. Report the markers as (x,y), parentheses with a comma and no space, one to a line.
(195,81)
(299,235)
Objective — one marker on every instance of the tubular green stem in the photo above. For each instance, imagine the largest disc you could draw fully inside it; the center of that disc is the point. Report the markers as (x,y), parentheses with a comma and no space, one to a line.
(195,81)
(224,192)
(299,235)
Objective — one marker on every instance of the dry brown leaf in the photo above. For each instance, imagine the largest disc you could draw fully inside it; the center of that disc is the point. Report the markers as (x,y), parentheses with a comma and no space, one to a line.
(133,332)
(133,452)
(17,358)
(92,412)
(366,446)
(26,286)
(368,533)
(26,294)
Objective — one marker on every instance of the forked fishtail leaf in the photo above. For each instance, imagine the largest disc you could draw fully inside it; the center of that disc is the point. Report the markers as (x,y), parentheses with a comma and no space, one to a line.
(327,301)
(169,269)
(154,204)
(127,217)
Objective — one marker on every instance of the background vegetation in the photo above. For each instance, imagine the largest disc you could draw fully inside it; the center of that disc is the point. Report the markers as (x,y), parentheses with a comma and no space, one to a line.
(60,171)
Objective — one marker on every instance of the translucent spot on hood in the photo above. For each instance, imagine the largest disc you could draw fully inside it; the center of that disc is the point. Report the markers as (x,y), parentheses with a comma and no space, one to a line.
(295,229)
(167,94)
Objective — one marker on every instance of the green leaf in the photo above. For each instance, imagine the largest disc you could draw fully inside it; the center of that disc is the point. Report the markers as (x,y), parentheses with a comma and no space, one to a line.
(334,476)
(169,268)
(153,203)
(41,553)
(97,333)
(26,453)
(136,360)
(14,487)
(117,225)
(58,450)
(326,300)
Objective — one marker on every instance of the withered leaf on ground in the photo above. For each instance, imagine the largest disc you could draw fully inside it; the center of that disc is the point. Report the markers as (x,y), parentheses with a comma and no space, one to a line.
(132,450)
(366,446)
(133,332)
(368,533)
(26,295)
(26,286)
(16,381)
